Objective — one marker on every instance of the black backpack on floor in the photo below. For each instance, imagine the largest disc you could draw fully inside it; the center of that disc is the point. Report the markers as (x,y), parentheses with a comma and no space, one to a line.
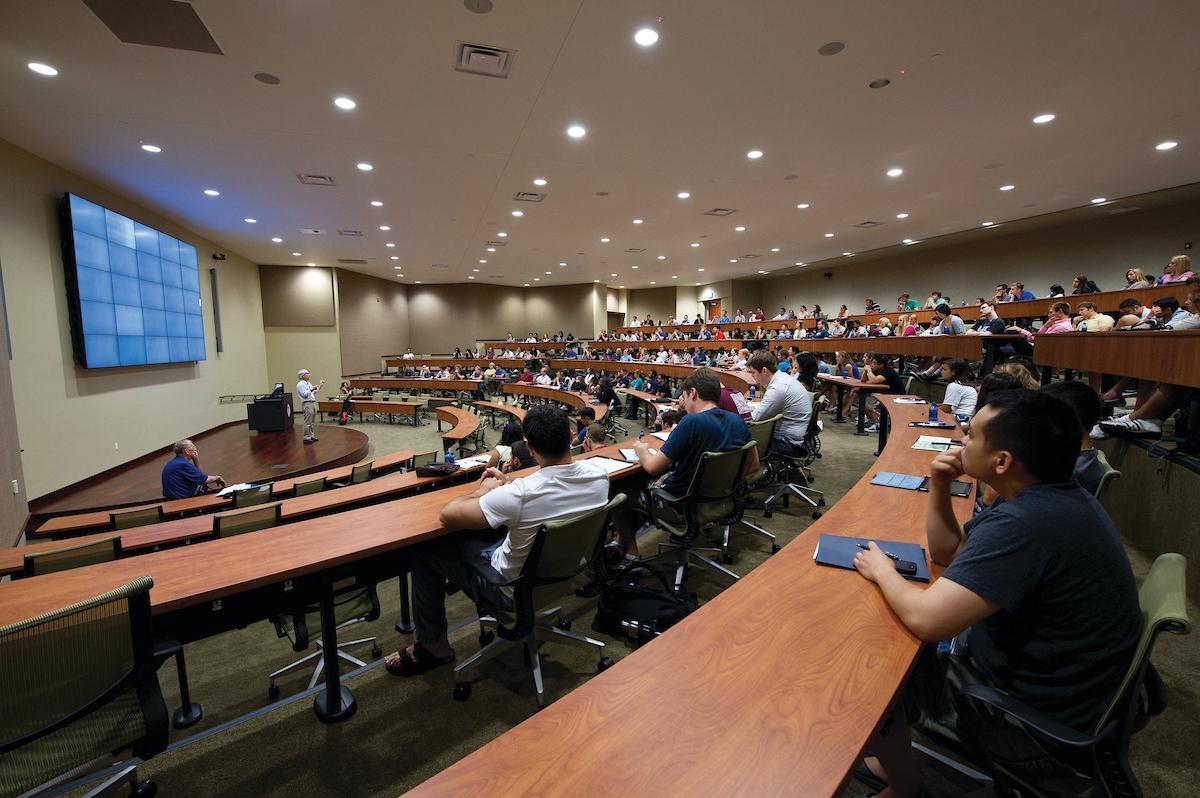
(627,607)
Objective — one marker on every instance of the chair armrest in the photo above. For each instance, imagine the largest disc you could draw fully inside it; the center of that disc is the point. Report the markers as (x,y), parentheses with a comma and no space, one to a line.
(661,493)
(1027,716)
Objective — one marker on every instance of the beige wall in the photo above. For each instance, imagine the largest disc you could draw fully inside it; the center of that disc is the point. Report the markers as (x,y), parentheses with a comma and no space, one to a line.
(14,509)
(1101,248)
(658,303)
(69,417)
(297,296)
(316,347)
(372,320)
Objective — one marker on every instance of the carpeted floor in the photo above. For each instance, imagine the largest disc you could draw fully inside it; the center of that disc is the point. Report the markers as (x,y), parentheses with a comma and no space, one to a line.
(408,729)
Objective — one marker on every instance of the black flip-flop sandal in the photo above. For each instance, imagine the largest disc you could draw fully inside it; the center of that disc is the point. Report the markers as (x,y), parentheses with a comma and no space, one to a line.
(423,662)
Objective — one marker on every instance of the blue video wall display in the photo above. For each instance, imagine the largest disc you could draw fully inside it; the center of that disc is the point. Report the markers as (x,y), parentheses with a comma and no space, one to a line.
(134,291)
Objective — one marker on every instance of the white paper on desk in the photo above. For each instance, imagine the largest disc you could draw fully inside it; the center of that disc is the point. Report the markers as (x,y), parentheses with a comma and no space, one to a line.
(935,443)
(472,462)
(903,400)
(630,455)
(662,436)
(232,488)
(610,465)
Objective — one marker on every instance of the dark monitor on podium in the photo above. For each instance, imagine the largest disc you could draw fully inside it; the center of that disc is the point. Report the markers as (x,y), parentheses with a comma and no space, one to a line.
(278,389)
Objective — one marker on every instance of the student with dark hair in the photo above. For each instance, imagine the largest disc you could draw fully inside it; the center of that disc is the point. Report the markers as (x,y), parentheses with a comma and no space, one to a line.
(670,419)
(595,437)
(879,371)
(1046,560)
(959,399)
(502,456)
(561,488)
(1082,285)
(1080,397)
(584,417)
(995,383)
(806,369)
(784,396)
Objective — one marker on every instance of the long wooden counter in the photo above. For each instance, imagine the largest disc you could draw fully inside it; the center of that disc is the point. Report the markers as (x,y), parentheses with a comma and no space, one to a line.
(771,688)
(446,362)
(410,410)
(414,383)
(1171,356)
(571,399)
(737,380)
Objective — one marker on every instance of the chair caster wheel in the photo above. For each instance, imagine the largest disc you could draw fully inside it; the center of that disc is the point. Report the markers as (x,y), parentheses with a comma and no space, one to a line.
(376,652)
(820,502)
(564,624)
(767,513)
(775,547)
(486,637)
(462,691)
(816,516)
(727,558)
(784,499)
(273,692)
(146,789)
(604,664)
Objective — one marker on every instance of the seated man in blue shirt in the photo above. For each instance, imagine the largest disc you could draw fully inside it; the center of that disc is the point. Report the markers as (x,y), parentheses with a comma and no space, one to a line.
(182,477)
(1041,585)
(705,428)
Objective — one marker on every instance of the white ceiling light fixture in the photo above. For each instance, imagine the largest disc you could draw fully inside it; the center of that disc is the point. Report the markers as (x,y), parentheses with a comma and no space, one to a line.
(1008,187)
(248,220)
(741,228)
(799,263)
(212,192)
(646,37)
(518,213)
(345,103)
(695,243)
(761,271)
(1099,200)
(633,267)
(537,279)
(390,244)
(733,260)
(605,240)
(637,221)
(614,274)
(907,241)
(848,254)
(364,166)
(754,155)
(803,206)
(895,171)
(475,270)
(662,257)
(491,249)
(539,181)
(395,257)
(310,265)
(988,224)
(42,69)
(774,249)
(902,215)
(376,204)
(154,148)
(674,276)
(700,269)
(483,260)
(652,283)
(385,227)
(397,267)
(684,194)
(829,235)
(1163,146)
(297,254)
(502,234)
(549,272)
(418,282)
(576,131)
(470,277)
(277,240)
(562,263)
(1043,119)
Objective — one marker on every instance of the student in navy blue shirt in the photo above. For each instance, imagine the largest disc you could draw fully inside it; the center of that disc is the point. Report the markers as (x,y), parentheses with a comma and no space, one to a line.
(182,477)
(705,428)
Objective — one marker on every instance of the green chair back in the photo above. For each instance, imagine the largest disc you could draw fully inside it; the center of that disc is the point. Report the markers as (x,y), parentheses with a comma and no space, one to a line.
(227,525)
(361,473)
(760,433)
(309,487)
(64,559)
(131,518)
(1110,474)
(715,483)
(63,713)
(425,458)
(252,496)
(564,549)
(354,599)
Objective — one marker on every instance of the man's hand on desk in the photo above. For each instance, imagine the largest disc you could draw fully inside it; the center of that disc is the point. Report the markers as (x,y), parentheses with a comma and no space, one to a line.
(492,478)
(873,563)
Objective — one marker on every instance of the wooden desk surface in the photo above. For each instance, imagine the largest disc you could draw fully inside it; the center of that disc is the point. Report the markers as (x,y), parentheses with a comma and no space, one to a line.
(734,379)
(414,383)
(1170,356)
(191,575)
(441,362)
(464,422)
(532,345)
(516,412)
(771,688)
(398,408)
(572,399)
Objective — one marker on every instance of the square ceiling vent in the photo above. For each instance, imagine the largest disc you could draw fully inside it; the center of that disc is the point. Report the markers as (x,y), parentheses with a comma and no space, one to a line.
(355,233)
(352,261)
(867,224)
(529,196)
(315,180)
(719,212)
(480,59)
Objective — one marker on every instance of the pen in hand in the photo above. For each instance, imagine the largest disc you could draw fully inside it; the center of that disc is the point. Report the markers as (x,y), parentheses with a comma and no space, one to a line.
(864,547)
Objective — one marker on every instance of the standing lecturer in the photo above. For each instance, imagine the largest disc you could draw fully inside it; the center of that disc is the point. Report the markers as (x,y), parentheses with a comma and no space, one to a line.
(308,400)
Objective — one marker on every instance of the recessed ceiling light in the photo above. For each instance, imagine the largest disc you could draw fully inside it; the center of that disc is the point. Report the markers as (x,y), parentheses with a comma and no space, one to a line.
(1043,119)
(297,254)
(376,203)
(633,267)
(695,243)
(686,194)
(798,263)
(483,260)
(595,281)
(989,224)
(1098,200)
(700,269)
(652,282)
(907,241)
(502,234)
(803,206)
(491,249)
(829,235)
(418,282)
(562,263)
(312,264)
(620,286)
(43,69)
(614,274)
(470,277)
(754,155)
(549,272)
(848,254)
(760,271)
(390,244)
(1008,187)
(212,192)
(902,215)
(537,279)
(637,221)
(662,257)
(155,148)
(646,37)
(733,260)
(576,131)
(518,213)
(741,228)
(539,181)
(475,270)
(605,240)
(674,276)
(1163,146)
(277,240)
(397,267)
(774,249)
(384,227)
(248,220)
(365,167)
(345,103)
(395,257)
(895,171)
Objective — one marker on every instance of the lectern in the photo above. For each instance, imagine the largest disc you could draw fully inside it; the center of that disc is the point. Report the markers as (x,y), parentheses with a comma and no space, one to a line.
(270,413)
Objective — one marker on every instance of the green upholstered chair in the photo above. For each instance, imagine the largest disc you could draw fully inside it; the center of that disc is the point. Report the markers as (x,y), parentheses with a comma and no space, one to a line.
(1110,474)
(47,562)
(762,479)
(1101,754)
(562,551)
(128,519)
(63,716)
(228,524)
(355,600)
(309,487)
(425,458)
(794,475)
(252,496)
(715,497)
(360,473)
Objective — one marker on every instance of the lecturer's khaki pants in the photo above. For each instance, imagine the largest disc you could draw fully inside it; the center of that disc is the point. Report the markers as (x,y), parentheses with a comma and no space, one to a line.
(310,418)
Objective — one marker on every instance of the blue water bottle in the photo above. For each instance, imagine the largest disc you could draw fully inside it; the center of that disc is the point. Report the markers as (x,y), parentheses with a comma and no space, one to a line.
(751,393)
(933,413)
(641,434)
(449,455)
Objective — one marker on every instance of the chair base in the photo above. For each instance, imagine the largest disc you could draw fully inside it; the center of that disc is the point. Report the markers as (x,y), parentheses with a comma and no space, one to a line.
(319,656)
(685,553)
(550,625)
(814,498)
(126,776)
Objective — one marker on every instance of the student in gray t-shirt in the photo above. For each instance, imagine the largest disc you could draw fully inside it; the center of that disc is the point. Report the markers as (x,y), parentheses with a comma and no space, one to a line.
(1041,581)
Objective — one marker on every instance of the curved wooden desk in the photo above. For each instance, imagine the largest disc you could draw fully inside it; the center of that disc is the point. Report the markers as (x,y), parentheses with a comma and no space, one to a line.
(410,410)
(771,688)
(444,362)
(517,413)
(1170,356)
(464,425)
(414,383)
(572,399)
(737,380)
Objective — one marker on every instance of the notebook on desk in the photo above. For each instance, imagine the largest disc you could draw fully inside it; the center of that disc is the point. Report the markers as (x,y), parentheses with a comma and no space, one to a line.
(890,479)
(837,551)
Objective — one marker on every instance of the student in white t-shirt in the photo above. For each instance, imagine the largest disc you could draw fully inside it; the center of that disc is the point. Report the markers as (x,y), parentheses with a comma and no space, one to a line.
(960,399)
(561,488)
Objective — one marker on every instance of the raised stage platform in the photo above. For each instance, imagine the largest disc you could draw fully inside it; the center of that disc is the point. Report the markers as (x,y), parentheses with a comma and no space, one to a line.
(230,450)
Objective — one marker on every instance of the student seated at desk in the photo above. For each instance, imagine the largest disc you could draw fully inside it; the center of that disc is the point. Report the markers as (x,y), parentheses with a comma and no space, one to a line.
(595,437)
(782,395)
(502,456)
(562,488)
(959,399)
(584,418)
(878,371)
(182,477)
(1015,578)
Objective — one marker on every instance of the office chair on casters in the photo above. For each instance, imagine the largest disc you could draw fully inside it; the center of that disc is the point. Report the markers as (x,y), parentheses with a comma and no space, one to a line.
(613,428)
(715,497)
(355,600)
(252,496)
(81,714)
(798,468)
(562,551)
(1099,758)
(761,433)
